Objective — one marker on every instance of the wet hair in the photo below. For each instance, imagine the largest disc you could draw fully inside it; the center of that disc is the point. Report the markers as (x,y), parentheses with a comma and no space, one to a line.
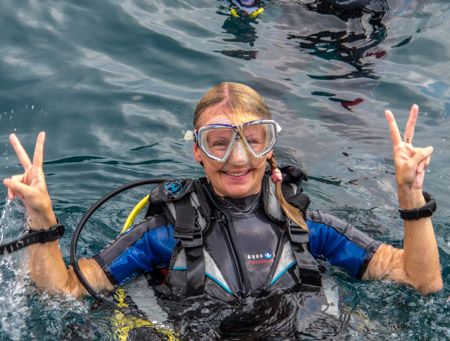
(292,212)
(234,100)
(239,101)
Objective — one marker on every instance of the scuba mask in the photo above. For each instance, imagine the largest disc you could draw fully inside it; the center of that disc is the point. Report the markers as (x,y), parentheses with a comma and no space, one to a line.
(218,140)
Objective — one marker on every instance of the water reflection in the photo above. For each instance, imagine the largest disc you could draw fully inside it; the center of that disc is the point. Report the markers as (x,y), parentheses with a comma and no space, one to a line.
(364,32)
(349,32)
(243,31)
(346,10)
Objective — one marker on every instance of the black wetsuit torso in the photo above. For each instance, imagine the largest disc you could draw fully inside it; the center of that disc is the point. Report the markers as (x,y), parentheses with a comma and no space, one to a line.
(251,239)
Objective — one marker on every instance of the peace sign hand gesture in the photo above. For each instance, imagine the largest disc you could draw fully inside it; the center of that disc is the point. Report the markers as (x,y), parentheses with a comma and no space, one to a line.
(30,186)
(410,162)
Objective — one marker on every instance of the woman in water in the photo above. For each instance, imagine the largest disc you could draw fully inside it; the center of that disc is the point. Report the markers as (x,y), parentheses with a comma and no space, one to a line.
(239,231)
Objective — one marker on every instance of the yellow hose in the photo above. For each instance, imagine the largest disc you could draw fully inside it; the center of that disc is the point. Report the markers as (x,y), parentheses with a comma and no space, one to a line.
(134,213)
(124,324)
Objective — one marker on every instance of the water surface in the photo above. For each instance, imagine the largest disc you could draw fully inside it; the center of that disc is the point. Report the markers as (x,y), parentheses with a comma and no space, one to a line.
(114,85)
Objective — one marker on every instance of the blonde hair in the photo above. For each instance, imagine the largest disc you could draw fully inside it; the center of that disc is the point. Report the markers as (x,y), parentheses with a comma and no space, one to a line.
(292,212)
(239,101)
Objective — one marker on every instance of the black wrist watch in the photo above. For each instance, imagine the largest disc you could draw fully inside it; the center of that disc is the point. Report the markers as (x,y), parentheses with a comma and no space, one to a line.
(422,212)
(33,237)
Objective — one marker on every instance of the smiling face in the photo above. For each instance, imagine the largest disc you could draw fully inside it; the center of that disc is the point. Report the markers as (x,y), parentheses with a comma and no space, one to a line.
(241,174)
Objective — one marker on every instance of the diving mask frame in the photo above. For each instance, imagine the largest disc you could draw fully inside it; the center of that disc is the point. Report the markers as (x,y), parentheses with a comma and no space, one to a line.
(238,134)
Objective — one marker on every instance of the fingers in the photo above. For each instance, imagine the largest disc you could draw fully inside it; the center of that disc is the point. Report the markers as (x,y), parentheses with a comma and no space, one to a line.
(409,128)
(16,187)
(38,157)
(20,151)
(424,163)
(17,178)
(11,194)
(411,124)
(422,157)
(395,133)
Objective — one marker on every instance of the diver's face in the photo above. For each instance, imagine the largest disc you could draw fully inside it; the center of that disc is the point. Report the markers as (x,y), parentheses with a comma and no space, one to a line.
(242,173)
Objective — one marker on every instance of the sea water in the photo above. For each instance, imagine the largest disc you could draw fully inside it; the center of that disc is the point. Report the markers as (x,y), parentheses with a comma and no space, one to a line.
(114,85)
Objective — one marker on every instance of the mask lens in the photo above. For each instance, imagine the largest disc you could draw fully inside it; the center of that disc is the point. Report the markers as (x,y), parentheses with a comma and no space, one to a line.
(216,141)
(260,137)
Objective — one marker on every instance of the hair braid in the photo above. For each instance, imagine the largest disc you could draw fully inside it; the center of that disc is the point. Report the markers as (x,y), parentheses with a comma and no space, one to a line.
(292,212)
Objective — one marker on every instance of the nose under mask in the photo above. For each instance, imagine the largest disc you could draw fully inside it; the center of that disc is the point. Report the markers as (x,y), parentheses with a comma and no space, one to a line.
(240,152)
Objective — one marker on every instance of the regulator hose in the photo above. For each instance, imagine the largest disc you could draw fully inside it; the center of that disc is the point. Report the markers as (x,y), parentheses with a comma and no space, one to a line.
(82,224)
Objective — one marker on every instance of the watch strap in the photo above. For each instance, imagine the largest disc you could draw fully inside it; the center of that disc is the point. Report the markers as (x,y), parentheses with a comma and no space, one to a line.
(33,237)
(422,212)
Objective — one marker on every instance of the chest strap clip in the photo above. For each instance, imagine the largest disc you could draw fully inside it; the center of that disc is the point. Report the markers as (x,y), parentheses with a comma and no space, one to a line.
(297,235)
(191,240)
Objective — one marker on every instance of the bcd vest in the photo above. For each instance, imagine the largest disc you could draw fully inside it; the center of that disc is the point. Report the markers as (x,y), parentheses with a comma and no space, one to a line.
(188,206)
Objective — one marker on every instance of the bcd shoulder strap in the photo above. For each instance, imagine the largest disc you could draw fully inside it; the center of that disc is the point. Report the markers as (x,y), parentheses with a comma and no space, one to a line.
(190,235)
(176,200)
(309,269)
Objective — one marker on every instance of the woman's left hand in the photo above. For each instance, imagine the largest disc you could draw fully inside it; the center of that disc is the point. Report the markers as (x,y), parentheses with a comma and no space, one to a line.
(417,264)
(410,162)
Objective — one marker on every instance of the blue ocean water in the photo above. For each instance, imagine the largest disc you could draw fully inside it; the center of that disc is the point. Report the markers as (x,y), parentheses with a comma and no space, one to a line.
(114,85)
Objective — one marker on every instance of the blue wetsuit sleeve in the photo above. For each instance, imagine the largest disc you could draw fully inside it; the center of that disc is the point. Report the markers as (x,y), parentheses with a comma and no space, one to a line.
(340,243)
(143,248)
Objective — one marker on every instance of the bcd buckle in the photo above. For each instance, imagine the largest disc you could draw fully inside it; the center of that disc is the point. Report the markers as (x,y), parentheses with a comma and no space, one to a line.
(297,235)
(190,240)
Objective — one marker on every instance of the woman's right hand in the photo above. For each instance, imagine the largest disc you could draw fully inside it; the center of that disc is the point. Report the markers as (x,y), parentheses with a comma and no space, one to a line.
(30,186)
(47,268)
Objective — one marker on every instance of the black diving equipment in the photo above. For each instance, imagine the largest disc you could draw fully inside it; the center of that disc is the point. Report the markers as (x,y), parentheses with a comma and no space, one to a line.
(33,237)
(83,222)
(425,211)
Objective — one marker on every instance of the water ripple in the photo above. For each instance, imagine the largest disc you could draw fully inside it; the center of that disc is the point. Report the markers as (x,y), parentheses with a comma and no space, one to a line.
(114,84)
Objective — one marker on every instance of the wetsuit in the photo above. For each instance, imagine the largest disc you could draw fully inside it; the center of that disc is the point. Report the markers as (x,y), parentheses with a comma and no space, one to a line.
(244,255)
